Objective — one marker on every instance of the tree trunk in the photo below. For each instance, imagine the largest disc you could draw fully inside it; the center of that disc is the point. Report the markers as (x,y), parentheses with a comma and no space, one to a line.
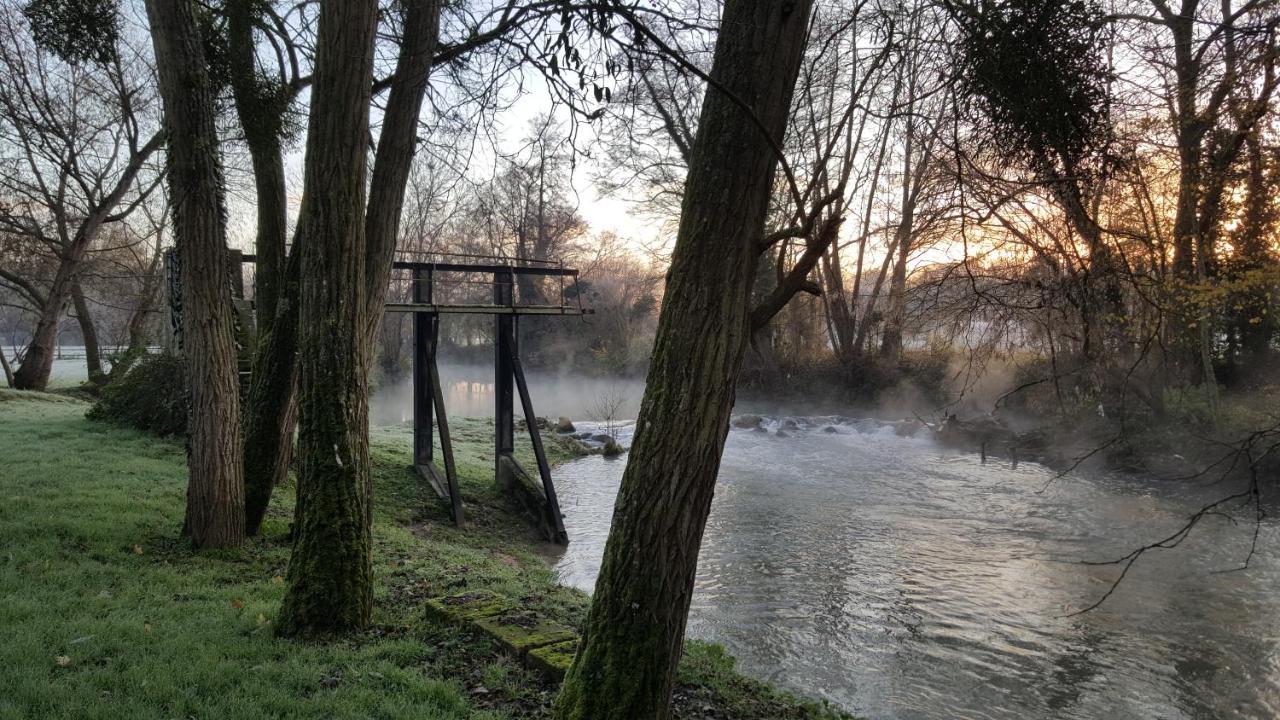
(37,361)
(396,146)
(271,413)
(260,107)
(8,371)
(891,342)
(840,309)
(92,349)
(270,410)
(138,319)
(634,633)
(215,493)
(331,571)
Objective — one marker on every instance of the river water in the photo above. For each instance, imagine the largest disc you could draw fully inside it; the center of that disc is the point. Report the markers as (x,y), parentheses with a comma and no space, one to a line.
(902,580)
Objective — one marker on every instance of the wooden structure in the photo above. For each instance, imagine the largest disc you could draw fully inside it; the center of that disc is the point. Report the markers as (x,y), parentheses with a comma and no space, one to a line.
(430,288)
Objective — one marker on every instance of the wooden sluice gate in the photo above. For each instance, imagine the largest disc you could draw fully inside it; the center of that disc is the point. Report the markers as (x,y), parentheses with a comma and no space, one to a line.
(433,291)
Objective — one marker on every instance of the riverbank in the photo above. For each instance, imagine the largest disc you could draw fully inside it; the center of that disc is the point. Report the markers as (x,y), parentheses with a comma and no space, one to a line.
(104,612)
(1010,411)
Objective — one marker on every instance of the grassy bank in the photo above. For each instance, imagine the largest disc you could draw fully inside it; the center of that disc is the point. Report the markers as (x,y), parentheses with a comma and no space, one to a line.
(105,613)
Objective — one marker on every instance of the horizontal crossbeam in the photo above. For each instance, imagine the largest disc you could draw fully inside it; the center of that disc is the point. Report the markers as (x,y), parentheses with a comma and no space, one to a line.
(444,308)
(465,267)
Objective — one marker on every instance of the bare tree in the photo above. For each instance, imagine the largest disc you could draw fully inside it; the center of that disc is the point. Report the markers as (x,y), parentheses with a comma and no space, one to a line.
(78,135)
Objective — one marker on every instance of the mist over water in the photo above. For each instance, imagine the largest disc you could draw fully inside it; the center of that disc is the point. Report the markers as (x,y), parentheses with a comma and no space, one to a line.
(902,580)
(468,392)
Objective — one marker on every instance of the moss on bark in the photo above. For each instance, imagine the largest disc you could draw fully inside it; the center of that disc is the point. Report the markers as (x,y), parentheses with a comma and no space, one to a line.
(330,573)
(634,633)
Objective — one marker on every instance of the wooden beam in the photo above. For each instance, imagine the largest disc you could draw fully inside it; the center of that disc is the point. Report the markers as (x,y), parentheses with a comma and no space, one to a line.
(488,309)
(465,267)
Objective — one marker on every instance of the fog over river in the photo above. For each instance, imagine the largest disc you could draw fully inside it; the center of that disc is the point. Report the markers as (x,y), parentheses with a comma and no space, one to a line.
(903,580)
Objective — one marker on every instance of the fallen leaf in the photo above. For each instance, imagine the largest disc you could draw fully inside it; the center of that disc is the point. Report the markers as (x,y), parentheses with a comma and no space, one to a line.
(62,660)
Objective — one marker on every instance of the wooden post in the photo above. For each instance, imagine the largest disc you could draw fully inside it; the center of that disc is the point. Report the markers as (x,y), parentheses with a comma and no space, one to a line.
(504,342)
(423,359)
(555,520)
(446,443)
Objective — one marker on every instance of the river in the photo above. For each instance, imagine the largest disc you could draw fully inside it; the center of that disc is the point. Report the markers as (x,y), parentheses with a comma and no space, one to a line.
(902,580)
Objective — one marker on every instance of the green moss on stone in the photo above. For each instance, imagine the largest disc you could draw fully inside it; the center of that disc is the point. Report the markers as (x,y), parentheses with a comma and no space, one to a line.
(469,605)
(522,631)
(553,660)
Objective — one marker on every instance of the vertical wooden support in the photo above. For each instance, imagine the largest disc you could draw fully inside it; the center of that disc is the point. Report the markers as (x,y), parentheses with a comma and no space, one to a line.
(428,401)
(555,520)
(442,418)
(504,348)
(446,443)
(423,330)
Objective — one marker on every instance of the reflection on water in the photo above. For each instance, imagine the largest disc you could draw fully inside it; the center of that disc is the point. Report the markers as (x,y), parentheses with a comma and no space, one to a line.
(468,392)
(905,581)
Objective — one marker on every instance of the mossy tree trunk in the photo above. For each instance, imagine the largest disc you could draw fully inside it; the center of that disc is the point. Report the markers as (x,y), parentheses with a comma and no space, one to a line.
(330,573)
(270,408)
(634,633)
(215,493)
(271,412)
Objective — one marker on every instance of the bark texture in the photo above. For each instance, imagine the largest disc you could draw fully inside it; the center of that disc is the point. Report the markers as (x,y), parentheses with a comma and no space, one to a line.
(634,633)
(396,146)
(89,332)
(331,573)
(270,416)
(215,493)
(271,406)
(270,411)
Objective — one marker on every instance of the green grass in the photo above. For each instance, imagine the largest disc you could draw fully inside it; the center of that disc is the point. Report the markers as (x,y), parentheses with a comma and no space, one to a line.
(106,613)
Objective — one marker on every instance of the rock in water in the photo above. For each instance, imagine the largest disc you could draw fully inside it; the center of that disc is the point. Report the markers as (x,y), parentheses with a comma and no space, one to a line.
(564,425)
(908,428)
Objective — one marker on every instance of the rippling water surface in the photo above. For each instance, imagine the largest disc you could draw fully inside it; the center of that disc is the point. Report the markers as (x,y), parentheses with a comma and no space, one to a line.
(902,580)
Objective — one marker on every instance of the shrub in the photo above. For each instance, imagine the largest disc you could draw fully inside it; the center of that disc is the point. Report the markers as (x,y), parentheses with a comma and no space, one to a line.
(151,396)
